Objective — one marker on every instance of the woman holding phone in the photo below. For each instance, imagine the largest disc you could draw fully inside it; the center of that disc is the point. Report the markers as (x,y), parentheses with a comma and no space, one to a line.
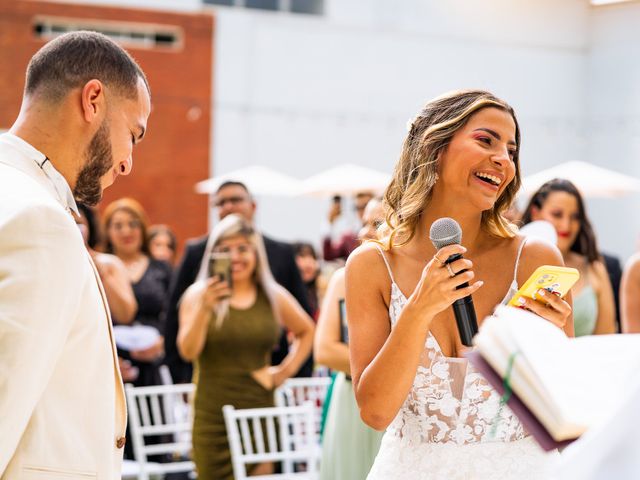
(460,159)
(229,333)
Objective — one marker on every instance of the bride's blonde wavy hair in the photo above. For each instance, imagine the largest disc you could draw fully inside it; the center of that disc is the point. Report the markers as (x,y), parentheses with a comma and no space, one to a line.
(416,172)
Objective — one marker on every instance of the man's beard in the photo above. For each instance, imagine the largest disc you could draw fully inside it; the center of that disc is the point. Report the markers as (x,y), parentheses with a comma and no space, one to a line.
(99,161)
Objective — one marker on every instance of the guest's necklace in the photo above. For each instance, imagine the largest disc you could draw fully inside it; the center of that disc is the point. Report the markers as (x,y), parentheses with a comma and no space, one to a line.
(133,266)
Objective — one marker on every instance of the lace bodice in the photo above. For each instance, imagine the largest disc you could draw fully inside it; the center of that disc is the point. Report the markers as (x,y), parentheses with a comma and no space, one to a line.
(450,402)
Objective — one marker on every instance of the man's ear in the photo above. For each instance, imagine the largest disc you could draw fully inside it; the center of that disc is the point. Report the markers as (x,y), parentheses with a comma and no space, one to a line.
(93,101)
(254,207)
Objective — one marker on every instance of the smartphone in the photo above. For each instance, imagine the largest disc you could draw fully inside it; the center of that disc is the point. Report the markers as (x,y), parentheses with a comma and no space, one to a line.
(556,280)
(220,266)
(344,328)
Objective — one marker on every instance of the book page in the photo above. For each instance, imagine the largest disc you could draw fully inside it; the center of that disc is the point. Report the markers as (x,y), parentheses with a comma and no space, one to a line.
(583,376)
(496,346)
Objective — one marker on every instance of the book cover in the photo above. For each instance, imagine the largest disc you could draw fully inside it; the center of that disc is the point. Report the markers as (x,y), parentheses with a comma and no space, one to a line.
(528,419)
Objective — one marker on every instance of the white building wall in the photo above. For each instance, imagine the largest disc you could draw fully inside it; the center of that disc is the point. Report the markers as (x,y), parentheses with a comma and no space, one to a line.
(613,79)
(302,94)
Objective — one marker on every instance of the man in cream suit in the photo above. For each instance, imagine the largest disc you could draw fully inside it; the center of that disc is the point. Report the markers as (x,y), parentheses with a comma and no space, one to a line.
(62,407)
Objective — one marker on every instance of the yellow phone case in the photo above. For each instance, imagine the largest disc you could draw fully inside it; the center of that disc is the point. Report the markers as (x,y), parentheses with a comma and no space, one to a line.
(557,280)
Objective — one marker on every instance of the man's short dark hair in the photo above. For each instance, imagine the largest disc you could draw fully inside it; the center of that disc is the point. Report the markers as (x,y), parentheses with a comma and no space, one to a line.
(71,60)
(233,183)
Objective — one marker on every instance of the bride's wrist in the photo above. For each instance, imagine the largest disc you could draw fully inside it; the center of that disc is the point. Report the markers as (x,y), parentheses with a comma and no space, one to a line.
(417,316)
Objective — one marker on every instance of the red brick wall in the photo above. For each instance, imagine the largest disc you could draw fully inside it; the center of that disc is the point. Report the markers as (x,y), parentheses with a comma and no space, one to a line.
(175,152)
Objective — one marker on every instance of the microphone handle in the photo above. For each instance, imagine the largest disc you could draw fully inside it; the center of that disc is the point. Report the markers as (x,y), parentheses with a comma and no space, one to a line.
(466,319)
(464,311)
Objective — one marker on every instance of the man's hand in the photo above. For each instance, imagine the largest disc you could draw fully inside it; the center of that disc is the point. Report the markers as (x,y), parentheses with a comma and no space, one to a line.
(128,372)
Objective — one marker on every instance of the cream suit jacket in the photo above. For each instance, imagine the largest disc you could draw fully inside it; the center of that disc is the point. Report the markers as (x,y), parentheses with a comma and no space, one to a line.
(62,407)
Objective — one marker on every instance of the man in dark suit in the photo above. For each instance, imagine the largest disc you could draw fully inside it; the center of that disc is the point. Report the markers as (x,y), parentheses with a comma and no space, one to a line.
(231,197)
(614,270)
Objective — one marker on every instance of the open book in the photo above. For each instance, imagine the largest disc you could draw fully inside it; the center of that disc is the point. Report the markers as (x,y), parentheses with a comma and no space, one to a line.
(561,386)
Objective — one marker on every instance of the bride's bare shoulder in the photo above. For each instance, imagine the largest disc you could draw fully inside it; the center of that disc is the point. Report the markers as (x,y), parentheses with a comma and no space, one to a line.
(367,262)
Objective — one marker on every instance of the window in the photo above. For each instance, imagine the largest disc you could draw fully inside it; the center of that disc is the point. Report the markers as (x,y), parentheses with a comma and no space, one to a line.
(262,4)
(310,7)
(131,34)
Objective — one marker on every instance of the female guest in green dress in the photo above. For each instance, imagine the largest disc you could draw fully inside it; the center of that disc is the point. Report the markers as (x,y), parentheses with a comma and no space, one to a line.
(349,447)
(559,202)
(228,328)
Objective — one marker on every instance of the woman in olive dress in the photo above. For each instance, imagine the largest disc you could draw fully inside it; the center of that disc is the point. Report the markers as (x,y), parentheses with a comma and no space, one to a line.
(229,331)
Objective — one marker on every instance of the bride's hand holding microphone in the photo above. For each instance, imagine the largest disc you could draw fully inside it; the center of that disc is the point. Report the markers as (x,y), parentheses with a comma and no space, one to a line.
(437,288)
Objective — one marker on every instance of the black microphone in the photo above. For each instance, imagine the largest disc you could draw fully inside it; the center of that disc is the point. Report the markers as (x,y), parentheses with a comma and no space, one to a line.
(446,231)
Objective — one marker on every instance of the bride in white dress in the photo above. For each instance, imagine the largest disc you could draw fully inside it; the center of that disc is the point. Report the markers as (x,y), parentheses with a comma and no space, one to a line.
(460,159)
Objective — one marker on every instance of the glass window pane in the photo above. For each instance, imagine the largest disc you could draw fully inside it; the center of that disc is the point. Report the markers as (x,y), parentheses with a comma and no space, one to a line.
(262,4)
(313,7)
(228,3)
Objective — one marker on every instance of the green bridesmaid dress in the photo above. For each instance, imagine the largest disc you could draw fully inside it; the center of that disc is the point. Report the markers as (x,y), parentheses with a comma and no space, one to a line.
(349,447)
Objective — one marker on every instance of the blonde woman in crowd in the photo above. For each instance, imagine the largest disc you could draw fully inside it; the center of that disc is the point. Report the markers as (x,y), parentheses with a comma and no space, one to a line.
(349,446)
(460,159)
(229,330)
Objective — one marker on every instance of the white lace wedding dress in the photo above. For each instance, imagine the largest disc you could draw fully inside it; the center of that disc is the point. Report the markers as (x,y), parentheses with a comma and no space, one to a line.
(451,425)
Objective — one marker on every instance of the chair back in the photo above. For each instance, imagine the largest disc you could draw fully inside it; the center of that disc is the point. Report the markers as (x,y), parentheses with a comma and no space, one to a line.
(160,423)
(277,434)
(298,391)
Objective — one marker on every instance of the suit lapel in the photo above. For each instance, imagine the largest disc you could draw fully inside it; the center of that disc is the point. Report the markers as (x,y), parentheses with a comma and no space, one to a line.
(120,396)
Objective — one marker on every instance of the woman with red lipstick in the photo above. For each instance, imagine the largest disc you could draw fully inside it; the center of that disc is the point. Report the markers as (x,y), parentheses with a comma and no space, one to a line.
(559,202)
(125,224)
(460,159)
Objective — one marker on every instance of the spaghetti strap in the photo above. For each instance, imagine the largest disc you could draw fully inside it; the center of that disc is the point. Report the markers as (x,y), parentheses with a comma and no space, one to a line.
(386,262)
(515,269)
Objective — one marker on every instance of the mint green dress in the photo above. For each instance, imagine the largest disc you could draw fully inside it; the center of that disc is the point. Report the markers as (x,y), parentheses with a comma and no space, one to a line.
(349,447)
(585,311)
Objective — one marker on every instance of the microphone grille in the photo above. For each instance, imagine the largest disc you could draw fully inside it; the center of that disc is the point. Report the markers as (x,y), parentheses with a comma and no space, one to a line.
(445,231)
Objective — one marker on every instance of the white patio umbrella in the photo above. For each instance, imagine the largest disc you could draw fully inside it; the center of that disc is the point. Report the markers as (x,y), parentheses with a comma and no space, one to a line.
(345,179)
(259,180)
(591,180)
